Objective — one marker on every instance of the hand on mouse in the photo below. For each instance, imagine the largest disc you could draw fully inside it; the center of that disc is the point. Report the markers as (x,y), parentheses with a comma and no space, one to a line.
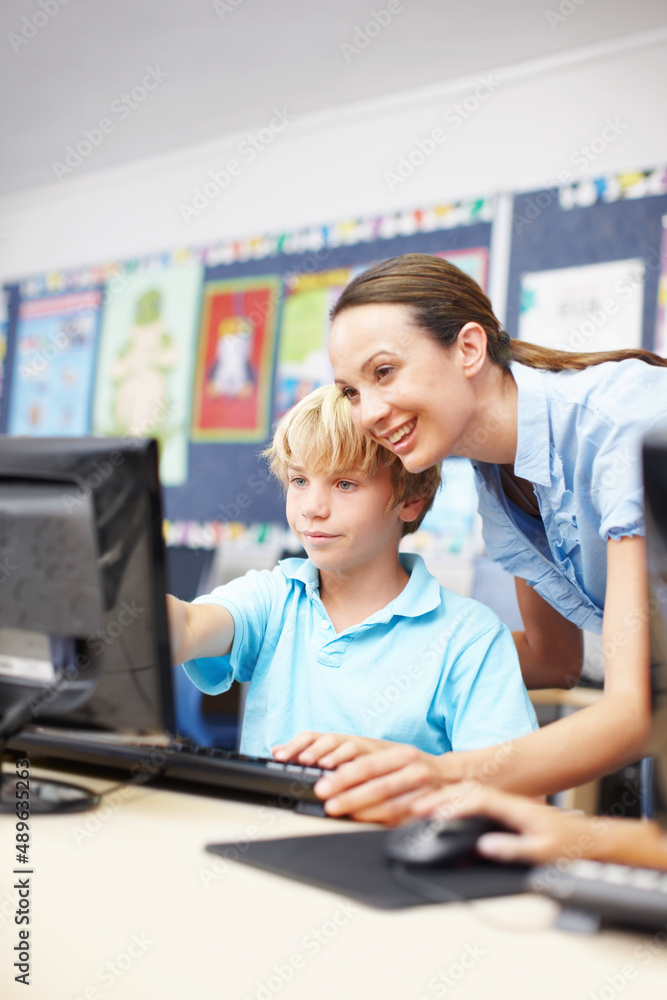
(544,833)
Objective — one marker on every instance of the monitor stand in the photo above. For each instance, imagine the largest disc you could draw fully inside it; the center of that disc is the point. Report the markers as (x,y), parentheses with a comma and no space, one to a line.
(45,795)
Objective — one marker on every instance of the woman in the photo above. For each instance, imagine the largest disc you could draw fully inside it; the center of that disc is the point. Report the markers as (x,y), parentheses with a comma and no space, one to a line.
(554,438)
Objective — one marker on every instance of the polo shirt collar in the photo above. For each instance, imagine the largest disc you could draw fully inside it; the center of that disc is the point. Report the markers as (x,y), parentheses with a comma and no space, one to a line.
(532,460)
(420,595)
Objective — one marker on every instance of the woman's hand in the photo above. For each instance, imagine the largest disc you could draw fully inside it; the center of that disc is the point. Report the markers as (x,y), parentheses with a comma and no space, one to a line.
(380,787)
(546,833)
(327,749)
(543,833)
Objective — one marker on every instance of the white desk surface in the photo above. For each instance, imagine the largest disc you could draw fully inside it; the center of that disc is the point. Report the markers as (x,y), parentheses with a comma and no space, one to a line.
(126,904)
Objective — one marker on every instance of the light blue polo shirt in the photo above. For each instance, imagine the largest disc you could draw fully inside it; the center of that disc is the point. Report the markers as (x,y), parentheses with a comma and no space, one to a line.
(432,668)
(579,443)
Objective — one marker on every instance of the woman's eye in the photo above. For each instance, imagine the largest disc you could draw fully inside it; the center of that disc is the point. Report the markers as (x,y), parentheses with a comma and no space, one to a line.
(348,392)
(383,371)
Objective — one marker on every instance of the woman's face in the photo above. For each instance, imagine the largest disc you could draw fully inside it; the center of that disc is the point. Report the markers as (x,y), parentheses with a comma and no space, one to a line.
(406,391)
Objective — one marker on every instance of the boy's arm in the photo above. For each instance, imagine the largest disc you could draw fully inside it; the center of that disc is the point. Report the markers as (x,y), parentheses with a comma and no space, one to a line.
(198,630)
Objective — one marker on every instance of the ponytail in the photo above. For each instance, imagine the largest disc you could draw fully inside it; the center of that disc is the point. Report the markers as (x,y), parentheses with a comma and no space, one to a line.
(443,299)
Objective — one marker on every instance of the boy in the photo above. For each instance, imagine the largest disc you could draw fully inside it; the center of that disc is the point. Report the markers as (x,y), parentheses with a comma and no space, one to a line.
(354,639)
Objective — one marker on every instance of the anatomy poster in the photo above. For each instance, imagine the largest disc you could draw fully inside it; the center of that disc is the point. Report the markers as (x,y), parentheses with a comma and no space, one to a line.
(146,359)
(54,364)
(234,360)
(596,307)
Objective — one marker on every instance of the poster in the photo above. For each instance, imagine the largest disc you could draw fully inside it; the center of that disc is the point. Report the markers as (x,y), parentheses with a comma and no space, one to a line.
(234,360)
(146,357)
(474,262)
(596,307)
(661,324)
(303,359)
(54,364)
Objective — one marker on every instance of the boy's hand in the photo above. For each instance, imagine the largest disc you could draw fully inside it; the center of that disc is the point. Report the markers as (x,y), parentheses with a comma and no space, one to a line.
(381,787)
(327,749)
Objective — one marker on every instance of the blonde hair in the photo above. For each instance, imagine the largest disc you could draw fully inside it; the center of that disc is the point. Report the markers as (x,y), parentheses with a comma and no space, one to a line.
(320,430)
(443,299)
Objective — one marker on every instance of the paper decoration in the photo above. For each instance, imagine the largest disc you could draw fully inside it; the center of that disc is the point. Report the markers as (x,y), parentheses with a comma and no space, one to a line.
(54,360)
(235,354)
(629,184)
(146,359)
(316,240)
(597,307)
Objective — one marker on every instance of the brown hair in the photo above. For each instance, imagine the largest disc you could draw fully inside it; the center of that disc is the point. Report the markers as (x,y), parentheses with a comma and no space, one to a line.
(320,430)
(443,299)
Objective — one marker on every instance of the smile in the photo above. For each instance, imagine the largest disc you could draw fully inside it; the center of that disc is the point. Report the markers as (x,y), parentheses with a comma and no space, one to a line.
(402,432)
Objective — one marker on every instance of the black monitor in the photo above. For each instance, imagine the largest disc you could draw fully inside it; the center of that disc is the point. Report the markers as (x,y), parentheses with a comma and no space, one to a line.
(655,494)
(83,620)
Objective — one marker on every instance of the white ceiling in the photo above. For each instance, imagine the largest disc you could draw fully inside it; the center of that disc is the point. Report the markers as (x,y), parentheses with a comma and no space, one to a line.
(228,68)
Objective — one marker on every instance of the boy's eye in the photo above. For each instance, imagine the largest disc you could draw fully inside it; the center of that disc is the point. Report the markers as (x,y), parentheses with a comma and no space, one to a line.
(346,486)
(298,480)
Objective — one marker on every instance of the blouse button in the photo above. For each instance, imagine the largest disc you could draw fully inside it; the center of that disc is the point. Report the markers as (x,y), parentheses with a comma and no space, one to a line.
(325,624)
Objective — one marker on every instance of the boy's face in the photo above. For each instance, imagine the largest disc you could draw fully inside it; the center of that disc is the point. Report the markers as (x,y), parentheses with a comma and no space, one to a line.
(341,520)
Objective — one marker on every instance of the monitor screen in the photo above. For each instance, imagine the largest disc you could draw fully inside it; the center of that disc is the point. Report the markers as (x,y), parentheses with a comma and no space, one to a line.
(83,620)
(655,493)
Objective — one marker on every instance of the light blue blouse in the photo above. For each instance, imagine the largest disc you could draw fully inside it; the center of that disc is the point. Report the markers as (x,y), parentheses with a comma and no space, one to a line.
(579,443)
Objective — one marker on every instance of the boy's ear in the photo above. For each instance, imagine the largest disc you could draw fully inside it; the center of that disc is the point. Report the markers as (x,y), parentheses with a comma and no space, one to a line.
(411,508)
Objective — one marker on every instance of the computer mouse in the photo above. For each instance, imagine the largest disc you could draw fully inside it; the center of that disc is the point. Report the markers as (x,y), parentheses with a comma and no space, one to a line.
(439,842)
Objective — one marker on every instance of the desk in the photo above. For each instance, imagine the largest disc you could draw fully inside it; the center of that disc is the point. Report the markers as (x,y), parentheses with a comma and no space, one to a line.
(131,885)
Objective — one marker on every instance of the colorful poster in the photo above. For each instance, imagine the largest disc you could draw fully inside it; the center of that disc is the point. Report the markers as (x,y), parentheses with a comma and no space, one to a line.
(661,325)
(234,361)
(146,359)
(303,359)
(4,322)
(597,307)
(54,364)
(474,262)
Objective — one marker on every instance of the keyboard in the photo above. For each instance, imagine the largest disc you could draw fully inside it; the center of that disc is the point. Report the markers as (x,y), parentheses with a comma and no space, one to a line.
(290,785)
(606,893)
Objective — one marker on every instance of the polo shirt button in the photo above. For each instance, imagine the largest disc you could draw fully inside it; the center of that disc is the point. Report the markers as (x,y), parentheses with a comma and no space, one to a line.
(325,624)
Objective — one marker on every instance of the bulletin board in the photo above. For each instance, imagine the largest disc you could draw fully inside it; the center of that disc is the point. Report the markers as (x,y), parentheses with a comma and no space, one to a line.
(241,380)
(594,222)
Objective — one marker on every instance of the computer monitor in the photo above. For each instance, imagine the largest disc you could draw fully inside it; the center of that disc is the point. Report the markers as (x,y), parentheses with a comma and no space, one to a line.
(83,620)
(655,494)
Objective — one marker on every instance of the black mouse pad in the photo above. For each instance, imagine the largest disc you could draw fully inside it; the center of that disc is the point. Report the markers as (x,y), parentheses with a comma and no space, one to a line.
(354,865)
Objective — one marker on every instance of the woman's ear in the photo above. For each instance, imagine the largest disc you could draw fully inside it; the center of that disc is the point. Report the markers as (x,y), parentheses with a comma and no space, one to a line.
(472,344)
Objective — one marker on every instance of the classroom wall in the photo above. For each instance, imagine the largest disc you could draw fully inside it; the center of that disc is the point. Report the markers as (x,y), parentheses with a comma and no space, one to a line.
(519,127)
